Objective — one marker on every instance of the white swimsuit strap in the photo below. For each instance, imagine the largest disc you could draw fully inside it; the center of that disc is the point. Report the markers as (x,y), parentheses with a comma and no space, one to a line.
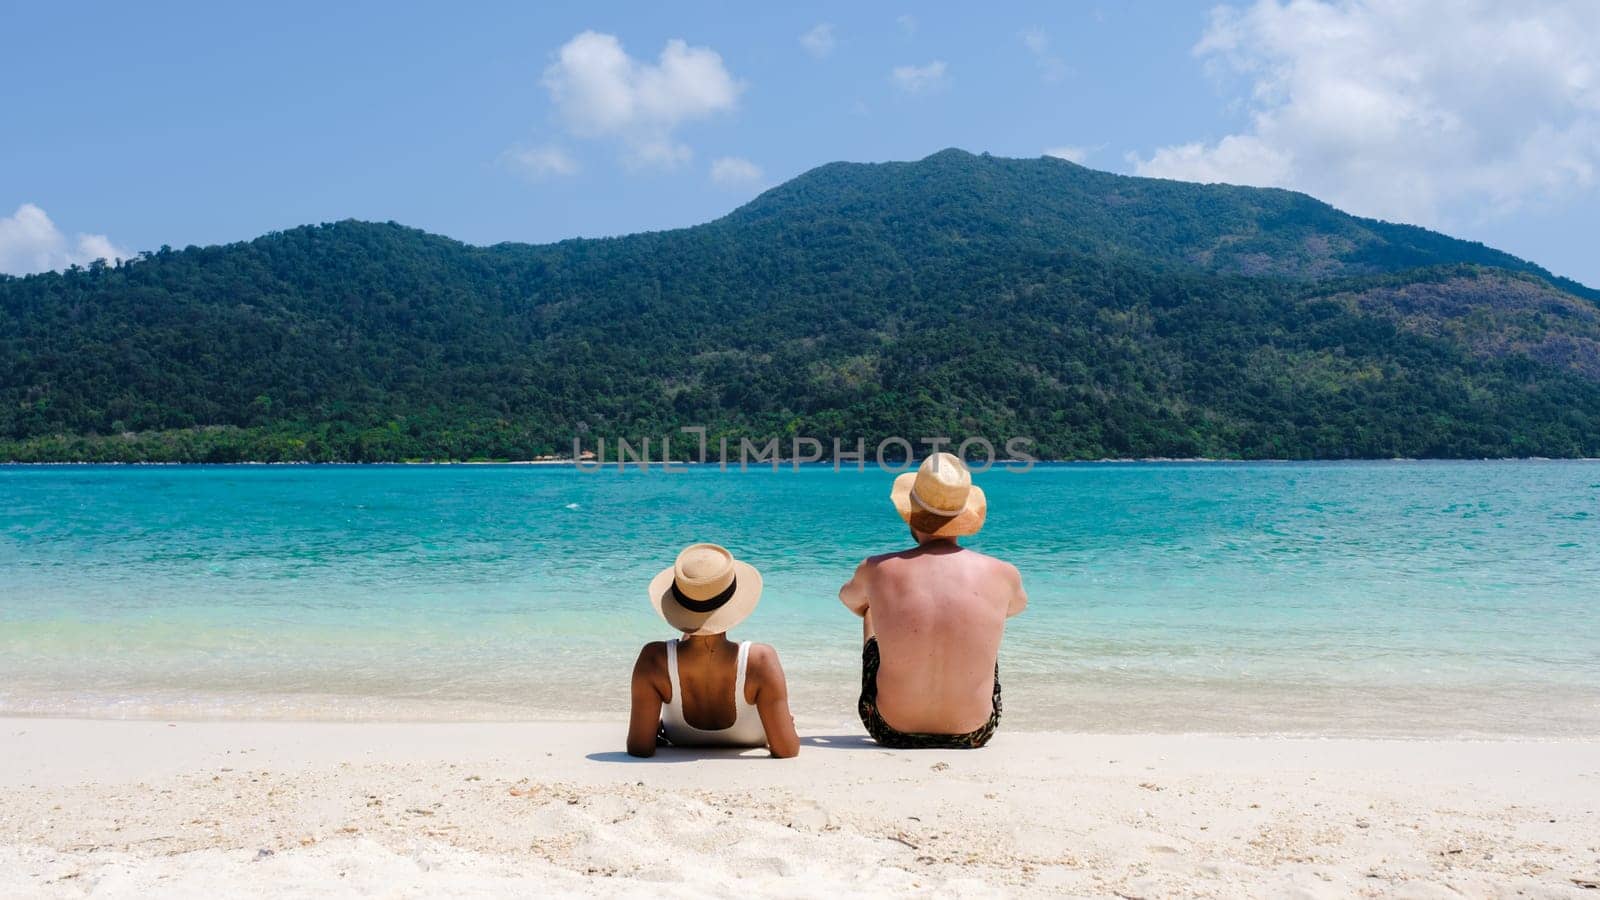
(672,672)
(738,682)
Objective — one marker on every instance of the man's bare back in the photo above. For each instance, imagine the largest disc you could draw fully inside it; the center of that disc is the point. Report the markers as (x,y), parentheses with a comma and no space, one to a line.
(938,611)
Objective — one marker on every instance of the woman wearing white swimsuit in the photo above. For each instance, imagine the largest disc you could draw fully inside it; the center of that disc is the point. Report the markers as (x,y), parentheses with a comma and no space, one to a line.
(704,690)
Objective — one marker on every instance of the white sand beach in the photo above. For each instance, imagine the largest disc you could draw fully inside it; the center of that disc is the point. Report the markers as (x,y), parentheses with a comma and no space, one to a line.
(120,808)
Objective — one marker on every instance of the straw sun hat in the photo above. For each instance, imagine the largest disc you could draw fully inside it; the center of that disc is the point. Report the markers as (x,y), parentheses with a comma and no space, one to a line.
(939,498)
(705,590)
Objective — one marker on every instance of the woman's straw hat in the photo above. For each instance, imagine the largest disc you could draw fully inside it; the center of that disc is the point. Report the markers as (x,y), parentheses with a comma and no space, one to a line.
(939,498)
(706,590)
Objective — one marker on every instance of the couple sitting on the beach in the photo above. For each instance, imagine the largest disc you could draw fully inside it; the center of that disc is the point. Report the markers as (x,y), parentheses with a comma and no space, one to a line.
(932,619)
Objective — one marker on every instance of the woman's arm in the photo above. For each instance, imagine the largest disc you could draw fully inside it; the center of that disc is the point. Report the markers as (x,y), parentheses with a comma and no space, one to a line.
(647,700)
(771,698)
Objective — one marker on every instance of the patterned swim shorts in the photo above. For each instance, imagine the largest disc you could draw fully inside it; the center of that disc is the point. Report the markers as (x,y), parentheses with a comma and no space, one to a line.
(887,736)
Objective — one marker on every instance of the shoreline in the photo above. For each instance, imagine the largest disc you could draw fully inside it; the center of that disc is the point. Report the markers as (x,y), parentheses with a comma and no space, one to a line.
(808,725)
(823,697)
(197,809)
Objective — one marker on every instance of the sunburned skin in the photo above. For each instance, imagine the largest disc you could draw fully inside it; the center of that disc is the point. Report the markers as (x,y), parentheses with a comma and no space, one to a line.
(939,611)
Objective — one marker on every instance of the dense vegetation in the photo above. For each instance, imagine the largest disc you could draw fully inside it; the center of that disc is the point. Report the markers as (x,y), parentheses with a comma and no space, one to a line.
(960,295)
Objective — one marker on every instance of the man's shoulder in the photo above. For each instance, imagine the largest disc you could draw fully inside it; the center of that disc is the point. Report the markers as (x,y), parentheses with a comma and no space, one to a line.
(895,556)
(994,562)
(966,555)
(878,562)
(878,559)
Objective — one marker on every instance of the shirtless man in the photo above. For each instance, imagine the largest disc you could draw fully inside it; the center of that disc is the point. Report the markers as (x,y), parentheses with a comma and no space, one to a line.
(933,617)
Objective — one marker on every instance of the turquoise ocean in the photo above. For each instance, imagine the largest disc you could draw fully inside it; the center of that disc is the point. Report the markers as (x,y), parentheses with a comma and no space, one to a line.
(1391,598)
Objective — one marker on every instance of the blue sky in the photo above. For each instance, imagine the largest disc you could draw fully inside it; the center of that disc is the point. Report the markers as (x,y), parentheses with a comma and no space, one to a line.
(199,123)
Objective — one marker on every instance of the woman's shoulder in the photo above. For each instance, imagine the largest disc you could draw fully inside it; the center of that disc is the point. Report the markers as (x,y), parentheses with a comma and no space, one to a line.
(764,658)
(652,655)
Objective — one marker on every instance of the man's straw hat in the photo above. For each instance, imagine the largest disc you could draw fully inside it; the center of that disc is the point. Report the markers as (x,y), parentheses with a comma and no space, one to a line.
(706,590)
(939,498)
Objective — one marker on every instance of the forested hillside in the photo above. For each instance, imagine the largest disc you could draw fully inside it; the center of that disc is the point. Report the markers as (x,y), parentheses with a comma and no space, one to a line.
(1100,315)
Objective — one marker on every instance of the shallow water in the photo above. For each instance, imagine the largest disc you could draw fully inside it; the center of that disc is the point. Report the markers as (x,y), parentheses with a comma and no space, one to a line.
(1405,598)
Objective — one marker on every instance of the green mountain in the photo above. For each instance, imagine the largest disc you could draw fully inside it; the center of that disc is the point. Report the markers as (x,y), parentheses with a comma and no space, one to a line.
(1098,314)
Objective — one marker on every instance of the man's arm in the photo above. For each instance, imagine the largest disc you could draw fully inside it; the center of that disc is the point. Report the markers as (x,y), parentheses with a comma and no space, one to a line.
(1019,597)
(647,699)
(854,593)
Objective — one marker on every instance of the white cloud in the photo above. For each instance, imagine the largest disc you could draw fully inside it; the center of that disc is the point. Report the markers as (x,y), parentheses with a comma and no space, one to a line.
(30,242)
(819,41)
(1430,111)
(733,171)
(919,79)
(1069,153)
(97,246)
(658,153)
(602,92)
(540,162)
(1037,42)
(1236,159)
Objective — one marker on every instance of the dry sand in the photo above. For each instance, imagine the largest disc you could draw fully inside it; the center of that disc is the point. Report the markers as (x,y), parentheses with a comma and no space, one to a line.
(109,808)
